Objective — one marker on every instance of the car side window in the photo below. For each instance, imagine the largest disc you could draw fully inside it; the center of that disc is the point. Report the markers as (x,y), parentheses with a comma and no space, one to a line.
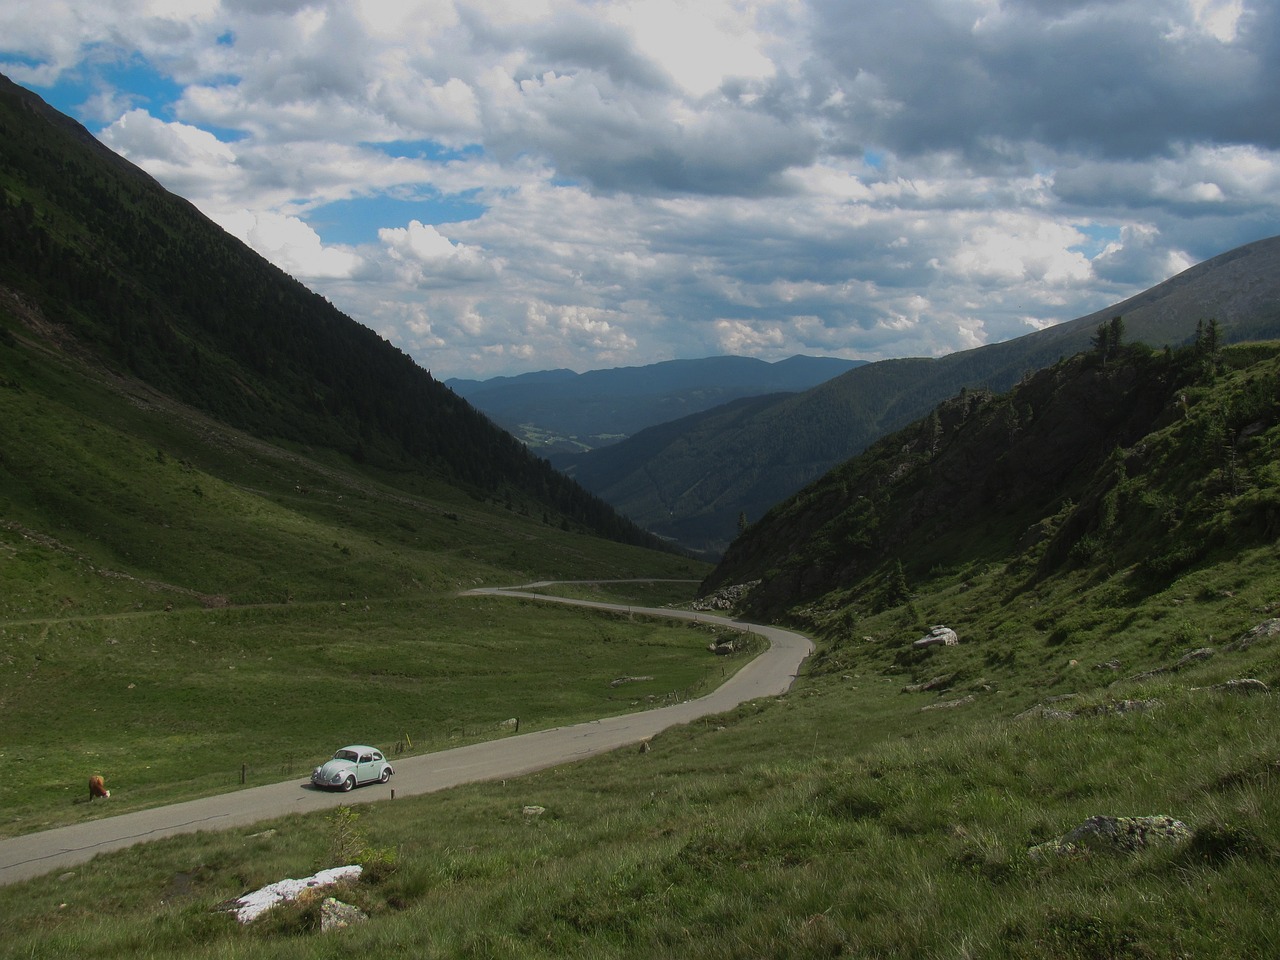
(377,756)
(366,758)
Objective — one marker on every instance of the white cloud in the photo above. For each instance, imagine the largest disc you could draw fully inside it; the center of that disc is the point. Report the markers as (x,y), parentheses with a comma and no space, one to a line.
(291,245)
(424,257)
(634,180)
(700,45)
(188,160)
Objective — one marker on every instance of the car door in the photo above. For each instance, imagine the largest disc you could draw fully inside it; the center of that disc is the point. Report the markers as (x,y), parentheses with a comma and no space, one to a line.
(367,768)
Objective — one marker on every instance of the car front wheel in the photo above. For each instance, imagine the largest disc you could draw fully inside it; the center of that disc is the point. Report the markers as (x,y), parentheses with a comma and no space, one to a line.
(386,775)
(348,783)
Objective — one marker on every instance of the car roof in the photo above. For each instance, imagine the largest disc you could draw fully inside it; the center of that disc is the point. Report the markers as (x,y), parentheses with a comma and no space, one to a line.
(359,746)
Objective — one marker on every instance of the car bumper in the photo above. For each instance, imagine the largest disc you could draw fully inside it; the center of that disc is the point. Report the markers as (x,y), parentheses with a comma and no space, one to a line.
(329,783)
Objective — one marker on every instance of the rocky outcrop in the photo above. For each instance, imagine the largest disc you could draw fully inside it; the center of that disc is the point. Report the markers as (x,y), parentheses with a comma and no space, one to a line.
(1186,660)
(1104,834)
(1263,631)
(336,915)
(1246,685)
(937,683)
(726,598)
(950,704)
(253,905)
(937,635)
(1054,709)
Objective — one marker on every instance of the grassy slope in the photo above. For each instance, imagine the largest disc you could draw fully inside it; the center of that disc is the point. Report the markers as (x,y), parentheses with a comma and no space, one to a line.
(841,820)
(178,599)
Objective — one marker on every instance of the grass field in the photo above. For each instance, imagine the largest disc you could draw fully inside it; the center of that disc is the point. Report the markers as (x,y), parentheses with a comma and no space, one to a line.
(883,808)
(840,820)
(185,703)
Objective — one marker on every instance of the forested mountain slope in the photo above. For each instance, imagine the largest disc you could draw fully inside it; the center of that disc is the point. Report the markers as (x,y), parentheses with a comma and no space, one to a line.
(692,481)
(1153,461)
(96,257)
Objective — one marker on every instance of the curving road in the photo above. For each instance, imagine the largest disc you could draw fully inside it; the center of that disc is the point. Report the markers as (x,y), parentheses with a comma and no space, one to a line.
(769,674)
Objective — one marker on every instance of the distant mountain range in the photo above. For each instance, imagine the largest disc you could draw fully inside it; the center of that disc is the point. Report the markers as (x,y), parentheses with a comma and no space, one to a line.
(692,480)
(559,411)
(97,258)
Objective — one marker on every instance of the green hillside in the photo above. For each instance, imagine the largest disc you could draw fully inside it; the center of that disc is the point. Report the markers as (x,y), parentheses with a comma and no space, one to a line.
(233,522)
(186,605)
(1136,459)
(97,258)
(1115,660)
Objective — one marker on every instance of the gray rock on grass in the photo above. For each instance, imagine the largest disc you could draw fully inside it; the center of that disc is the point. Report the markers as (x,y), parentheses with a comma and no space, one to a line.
(1105,834)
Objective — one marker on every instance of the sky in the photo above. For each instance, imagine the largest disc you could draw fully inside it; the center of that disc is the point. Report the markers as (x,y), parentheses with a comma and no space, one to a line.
(502,186)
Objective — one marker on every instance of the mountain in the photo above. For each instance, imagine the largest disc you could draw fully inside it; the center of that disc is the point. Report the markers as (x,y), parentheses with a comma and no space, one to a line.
(1150,462)
(189,608)
(693,480)
(561,412)
(99,260)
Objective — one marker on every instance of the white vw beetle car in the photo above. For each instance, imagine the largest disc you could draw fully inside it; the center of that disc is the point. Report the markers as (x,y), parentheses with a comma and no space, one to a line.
(352,766)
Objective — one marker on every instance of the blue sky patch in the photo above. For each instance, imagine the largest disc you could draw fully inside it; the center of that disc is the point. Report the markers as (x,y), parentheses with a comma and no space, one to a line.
(1099,234)
(133,81)
(358,221)
(426,150)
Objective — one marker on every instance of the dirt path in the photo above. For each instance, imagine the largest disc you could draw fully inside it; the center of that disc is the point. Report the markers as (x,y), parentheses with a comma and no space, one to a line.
(769,674)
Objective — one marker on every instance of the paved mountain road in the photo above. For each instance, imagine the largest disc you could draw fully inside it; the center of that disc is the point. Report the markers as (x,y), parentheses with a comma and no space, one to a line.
(769,674)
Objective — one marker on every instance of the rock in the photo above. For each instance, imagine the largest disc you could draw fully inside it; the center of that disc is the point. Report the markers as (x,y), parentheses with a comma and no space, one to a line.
(1109,665)
(722,649)
(1244,685)
(1263,631)
(510,724)
(1195,656)
(533,810)
(949,704)
(726,598)
(1103,834)
(1129,834)
(644,746)
(938,635)
(252,905)
(1113,707)
(336,915)
(1127,706)
(623,680)
(934,684)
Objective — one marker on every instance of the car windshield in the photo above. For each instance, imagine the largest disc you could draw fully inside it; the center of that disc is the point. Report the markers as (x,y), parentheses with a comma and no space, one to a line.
(346,755)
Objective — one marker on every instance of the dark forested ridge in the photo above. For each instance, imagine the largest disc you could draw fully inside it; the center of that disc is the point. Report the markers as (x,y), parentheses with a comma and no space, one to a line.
(140,281)
(1142,459)
(763,454)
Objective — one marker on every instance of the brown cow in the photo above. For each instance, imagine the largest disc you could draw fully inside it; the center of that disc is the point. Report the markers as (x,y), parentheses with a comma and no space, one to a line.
(97,788)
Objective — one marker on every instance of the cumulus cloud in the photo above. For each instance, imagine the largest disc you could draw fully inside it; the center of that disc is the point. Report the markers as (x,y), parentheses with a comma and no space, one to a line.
(425,258)
(600,182)
(182,156)
(292,245)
